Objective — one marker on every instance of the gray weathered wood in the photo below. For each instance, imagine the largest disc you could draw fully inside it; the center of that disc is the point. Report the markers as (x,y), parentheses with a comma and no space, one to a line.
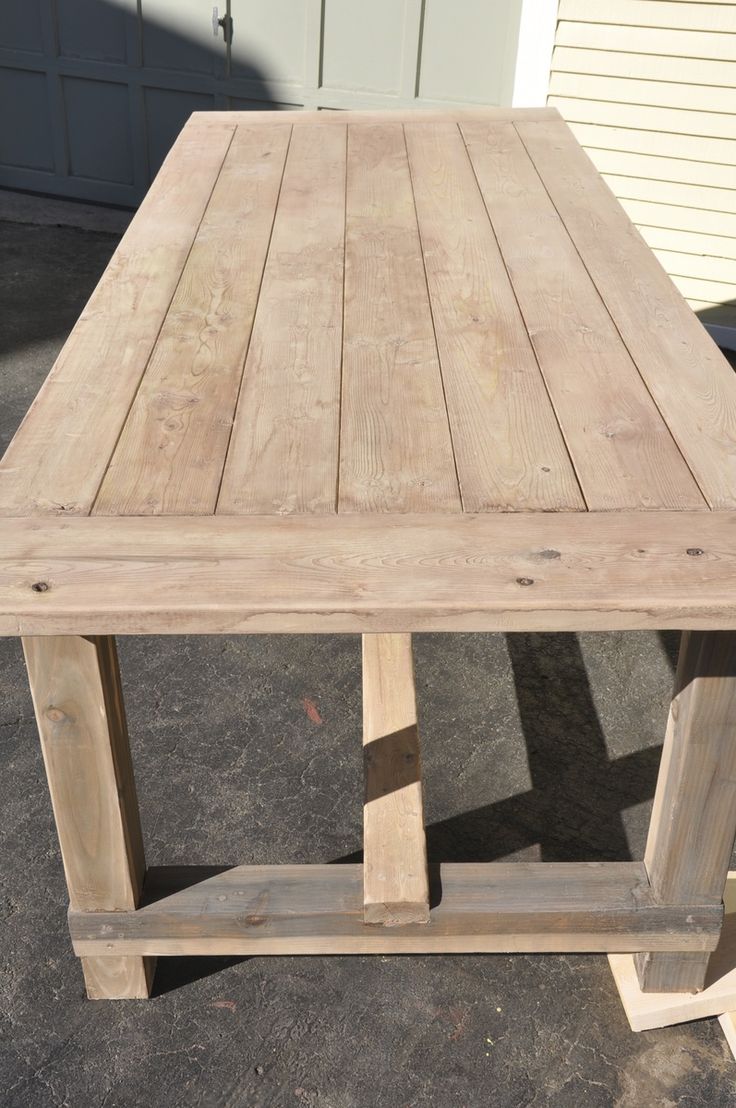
(694,816)
(77,696)
(479,907)
(395,878)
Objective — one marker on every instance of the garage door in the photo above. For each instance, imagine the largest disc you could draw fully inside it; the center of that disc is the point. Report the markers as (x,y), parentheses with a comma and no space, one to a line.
(93,92)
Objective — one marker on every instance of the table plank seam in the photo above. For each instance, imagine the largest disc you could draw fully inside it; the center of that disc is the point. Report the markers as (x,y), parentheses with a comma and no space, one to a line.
(712,366)
(553,407)
(226,455)
(434,325)
(706,501)
(134,396)
(342,323)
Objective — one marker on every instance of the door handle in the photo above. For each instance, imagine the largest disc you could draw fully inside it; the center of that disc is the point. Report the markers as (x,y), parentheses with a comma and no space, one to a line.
(225,22)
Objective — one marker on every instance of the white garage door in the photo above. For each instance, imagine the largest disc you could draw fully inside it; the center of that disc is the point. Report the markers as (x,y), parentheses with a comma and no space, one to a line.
(93,92)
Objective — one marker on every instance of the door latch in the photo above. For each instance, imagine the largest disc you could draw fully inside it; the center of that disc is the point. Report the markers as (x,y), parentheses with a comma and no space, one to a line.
(225,22)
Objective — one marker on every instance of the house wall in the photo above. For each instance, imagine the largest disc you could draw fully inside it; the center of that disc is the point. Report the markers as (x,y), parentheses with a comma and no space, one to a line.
(649,88)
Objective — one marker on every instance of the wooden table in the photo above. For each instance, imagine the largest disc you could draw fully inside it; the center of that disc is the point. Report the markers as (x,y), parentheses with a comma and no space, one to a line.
(378,373)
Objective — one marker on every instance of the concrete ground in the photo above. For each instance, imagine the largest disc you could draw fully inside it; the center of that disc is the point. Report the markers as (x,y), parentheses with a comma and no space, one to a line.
(248,749)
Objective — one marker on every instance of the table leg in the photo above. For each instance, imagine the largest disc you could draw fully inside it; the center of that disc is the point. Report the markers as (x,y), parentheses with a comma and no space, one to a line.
(693,823)
(395,876)
(77,696)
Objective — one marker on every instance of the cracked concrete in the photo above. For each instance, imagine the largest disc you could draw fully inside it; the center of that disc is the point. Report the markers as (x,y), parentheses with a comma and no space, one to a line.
(248,749)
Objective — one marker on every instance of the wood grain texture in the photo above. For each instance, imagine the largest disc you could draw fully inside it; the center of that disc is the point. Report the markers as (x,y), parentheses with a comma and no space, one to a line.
(508,447)
(120,977)
(728,1027)
(283,454)
(172,449)
(693,825)
(77,696)
(395,877)
(689,379)
(533,571)
(510,907)
(330,118)
(395,448)
(647,1010)
(56,461)
(622,450)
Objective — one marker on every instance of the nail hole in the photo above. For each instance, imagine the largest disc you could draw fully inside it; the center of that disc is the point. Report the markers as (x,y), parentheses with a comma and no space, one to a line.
(524,580)
(694,551)
(40,586)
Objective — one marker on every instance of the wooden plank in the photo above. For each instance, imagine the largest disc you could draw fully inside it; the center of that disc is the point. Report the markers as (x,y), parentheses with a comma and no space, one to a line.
(629,90)
(121,977)
(395,448)
(56,461)
(646,40)
(509,907)
(509,450)
(693,824)
(172,449)
(649,67)
(662,144)
(653,13)
(645,1011)
(622,450)
(643,117)
(539,571)
(654,168)
(690,380)
(395,877)
(387,115)
(77,697)
(728,1027)
(283,455)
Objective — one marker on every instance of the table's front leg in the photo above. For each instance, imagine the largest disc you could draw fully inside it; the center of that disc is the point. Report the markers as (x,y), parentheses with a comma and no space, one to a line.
(693,823)
(77,696)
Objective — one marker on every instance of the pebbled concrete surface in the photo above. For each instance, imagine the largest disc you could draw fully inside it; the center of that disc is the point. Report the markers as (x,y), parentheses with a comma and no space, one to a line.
(248,749)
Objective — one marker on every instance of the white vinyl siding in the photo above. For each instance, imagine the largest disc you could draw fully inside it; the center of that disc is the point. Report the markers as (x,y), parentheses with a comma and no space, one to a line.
(649,88)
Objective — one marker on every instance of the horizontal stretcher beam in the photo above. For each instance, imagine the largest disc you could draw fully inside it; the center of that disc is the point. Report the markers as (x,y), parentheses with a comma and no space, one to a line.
(540,571)
(474,908)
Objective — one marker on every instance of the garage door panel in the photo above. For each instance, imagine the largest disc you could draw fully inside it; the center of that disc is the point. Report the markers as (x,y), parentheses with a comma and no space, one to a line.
(268,40)
(469,49)
(25,125)
(98,130)
(20,25)
(167,110)
(94,30)
(362,45)
(179,36)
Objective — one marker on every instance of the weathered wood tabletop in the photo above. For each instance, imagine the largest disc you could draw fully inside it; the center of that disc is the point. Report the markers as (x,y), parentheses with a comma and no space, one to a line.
(384,372)
(381,374)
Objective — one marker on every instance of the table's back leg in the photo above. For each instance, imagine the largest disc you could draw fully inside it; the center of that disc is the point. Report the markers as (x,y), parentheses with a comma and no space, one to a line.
(693,823)
(77,696)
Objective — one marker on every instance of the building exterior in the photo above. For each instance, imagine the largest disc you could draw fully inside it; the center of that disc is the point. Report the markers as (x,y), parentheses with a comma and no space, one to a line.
(94,92)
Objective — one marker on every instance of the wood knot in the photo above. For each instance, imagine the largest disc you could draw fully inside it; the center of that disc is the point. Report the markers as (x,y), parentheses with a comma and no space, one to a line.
(40,586)
(524,581)
(694,551)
